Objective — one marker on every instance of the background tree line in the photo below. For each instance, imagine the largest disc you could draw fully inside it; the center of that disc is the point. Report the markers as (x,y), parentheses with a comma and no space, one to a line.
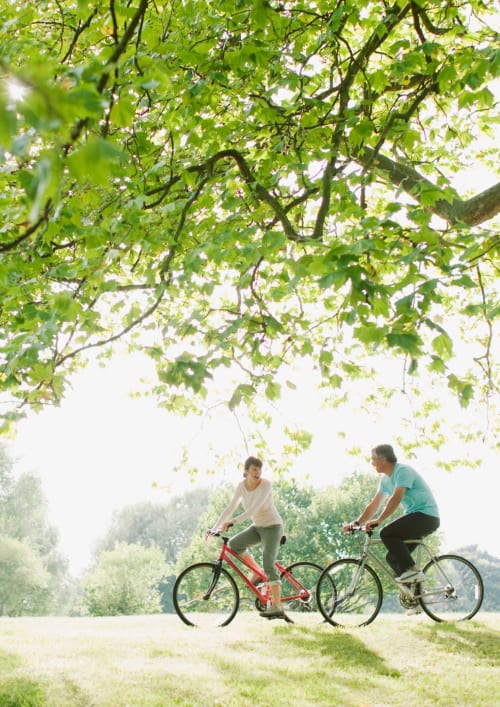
(136,561)
(34,577)
(312,517)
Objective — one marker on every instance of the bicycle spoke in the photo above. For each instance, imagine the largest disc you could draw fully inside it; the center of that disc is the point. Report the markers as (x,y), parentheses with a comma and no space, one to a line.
(298,590)
(349,594)
(453,589)
(199,601)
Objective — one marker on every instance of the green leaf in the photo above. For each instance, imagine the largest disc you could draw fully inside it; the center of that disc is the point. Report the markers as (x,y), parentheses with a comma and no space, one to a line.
(443,346)
(371,334)
(95,162)
(409,342)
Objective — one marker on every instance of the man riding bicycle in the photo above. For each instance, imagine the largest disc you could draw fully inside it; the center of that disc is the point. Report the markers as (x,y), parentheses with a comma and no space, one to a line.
(403,485)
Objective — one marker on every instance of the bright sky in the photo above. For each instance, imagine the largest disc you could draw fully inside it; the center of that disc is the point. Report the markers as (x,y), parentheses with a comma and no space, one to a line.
(102,450)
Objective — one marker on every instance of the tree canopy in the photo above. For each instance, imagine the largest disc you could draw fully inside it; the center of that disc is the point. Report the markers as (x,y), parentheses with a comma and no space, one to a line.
(238,185)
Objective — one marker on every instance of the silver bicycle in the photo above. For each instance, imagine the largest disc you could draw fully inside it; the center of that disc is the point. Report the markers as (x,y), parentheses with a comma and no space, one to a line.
(349,591)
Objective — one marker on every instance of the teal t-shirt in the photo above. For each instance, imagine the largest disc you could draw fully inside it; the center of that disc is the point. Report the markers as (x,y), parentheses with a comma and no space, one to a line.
(418,497)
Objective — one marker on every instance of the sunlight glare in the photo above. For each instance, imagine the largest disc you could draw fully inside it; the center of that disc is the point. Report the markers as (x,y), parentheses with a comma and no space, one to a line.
(16,90)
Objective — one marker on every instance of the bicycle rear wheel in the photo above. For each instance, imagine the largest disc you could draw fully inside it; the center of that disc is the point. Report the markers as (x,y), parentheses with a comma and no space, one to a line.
(298,588)
(349,593)
(206,595)
(453,589)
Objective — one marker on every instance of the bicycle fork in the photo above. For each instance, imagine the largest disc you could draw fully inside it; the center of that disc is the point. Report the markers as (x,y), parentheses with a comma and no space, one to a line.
(351,589)
(215,579)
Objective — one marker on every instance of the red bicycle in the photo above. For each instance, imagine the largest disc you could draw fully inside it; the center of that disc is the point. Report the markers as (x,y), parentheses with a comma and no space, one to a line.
(206,593)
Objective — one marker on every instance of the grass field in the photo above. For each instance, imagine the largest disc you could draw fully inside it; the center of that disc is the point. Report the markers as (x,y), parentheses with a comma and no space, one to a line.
(156,660)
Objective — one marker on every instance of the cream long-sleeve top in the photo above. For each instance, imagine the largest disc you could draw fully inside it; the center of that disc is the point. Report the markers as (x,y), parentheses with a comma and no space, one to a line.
(258,505)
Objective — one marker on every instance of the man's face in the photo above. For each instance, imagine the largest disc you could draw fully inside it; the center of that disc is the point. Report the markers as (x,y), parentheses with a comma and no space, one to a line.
(379,463)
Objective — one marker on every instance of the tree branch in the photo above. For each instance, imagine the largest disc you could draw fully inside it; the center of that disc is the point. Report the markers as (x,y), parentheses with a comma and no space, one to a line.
(473,211)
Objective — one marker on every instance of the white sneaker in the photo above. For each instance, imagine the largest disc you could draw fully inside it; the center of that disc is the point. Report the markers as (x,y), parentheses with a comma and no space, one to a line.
(414,611)
(411,576)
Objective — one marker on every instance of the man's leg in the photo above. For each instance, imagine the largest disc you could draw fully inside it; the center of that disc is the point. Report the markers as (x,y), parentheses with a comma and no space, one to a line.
(413,525)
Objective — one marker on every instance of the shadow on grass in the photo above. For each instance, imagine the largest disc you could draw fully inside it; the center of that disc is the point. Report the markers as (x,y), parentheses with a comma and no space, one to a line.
(345,650)
(304,665)
(483,644)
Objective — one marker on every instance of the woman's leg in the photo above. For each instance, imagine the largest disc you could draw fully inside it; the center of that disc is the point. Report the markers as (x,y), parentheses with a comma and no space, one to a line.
(240,544)
(271,538)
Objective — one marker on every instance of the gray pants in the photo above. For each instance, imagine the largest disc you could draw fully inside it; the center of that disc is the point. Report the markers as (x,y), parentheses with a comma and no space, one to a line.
(270,538)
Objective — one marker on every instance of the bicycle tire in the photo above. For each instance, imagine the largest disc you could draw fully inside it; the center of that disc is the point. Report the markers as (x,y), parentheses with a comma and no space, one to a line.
(338,604)
(191,602)
(453,589)
(296,600)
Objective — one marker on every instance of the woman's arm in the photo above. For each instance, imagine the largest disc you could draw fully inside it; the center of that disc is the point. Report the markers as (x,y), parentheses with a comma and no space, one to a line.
(259,497)
(230,508)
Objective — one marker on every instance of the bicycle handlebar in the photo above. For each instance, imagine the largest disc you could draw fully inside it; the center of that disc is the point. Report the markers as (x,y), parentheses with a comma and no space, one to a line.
(211,533)
(356,528)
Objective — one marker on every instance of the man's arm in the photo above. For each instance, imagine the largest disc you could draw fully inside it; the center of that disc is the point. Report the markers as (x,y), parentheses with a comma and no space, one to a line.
(389,508)
(368,512)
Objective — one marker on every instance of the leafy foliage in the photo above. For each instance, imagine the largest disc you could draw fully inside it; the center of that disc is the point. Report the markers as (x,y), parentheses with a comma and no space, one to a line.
(169,527)
(35,575)
(237,186)
(24,581)
(126,581)
(489,568)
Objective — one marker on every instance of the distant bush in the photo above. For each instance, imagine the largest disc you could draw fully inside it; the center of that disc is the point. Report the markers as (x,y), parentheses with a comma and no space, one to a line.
(126,581)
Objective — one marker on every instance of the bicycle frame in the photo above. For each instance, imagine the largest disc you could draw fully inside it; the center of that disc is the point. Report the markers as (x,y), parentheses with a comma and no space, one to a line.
(423,553)
(233,560)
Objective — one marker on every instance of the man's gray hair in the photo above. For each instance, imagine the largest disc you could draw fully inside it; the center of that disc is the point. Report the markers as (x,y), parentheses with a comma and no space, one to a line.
(387,452)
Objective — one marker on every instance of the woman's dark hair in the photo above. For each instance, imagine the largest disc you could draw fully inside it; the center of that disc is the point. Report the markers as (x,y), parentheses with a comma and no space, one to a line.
(253,461)
(387,452)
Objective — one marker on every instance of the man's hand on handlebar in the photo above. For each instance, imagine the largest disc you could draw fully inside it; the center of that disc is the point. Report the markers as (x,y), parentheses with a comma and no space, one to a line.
(354,525)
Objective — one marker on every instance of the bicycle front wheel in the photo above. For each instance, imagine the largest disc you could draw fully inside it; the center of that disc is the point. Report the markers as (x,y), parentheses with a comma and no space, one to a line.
(298,588)
(349,593)
(453,589)
(206,595)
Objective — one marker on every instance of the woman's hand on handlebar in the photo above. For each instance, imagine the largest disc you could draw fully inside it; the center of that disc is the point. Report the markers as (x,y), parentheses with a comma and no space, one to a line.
(217,531)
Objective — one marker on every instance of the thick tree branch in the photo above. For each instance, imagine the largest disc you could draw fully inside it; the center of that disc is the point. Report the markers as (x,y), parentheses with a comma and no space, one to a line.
(473,211)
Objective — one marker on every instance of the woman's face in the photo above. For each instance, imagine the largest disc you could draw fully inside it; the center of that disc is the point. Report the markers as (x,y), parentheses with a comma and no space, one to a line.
(253,472)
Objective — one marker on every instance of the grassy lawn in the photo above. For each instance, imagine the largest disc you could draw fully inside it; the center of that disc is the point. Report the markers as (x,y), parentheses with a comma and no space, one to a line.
(156,660)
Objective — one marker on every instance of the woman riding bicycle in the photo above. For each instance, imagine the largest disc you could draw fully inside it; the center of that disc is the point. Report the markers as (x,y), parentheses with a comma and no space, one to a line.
(256,495)
(404,486)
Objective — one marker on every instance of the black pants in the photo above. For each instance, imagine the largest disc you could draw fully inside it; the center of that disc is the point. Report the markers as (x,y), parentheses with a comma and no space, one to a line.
(408,527)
